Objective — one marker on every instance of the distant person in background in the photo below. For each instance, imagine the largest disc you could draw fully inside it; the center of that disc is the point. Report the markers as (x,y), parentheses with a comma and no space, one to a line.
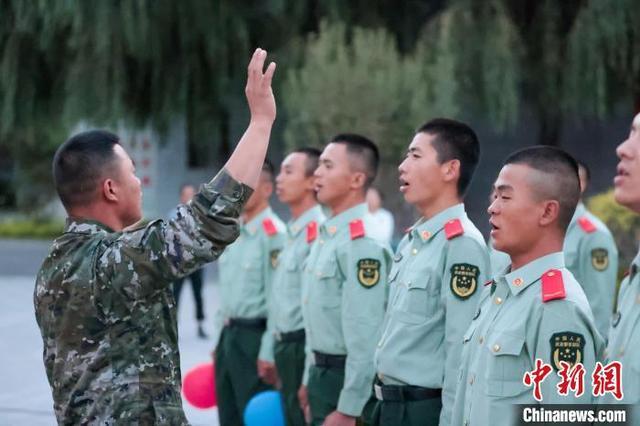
(591,254)
(379,219)
(186,194)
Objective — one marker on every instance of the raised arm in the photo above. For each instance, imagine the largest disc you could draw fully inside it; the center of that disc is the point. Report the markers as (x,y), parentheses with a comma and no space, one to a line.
(246,161)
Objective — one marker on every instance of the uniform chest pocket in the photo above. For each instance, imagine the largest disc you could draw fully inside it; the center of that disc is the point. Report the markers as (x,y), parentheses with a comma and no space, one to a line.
(328,279)
(506,364)
(419,301)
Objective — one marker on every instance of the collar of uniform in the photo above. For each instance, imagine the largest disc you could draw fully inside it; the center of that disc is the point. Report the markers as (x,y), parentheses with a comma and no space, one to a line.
(335,223)
(255,224)
(528,274)
(314,213)
(85,226)
(581,210)
(427,229)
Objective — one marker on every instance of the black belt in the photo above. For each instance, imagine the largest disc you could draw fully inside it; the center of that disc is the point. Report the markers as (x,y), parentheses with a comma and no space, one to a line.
(328,360)
(394,393)
(259,323)
(292,336)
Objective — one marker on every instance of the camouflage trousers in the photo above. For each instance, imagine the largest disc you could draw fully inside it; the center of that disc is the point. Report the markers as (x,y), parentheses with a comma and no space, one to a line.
(237,378)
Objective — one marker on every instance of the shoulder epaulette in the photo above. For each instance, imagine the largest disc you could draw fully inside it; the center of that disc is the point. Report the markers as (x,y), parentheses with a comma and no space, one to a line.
(356,229)
(552,285)
(269,227)
(312,231)
(586,225)
(453,228)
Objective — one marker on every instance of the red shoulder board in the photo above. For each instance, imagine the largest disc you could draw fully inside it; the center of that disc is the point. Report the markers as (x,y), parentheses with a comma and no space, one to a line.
(312,231)
(453,229)
(552,285)
(269,227)
(356,229)
(586,225)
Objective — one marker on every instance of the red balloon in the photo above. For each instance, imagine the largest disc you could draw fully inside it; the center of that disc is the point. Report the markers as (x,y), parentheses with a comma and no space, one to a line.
(199,386)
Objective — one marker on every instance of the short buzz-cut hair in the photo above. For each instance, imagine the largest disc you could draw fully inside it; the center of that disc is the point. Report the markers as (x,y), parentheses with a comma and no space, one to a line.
(80,164)
(454,140)
(562,183)
(313,158)
(363,148)
(269,169)
(582,166)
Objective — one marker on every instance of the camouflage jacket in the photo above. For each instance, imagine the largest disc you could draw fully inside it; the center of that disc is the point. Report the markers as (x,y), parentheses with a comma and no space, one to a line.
(107,315)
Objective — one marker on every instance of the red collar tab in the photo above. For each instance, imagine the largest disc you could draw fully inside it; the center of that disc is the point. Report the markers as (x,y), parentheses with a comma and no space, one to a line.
(586,225)
(488,283)
(356,229)
(453,229)
(269,227)
(552,285)
(312,231)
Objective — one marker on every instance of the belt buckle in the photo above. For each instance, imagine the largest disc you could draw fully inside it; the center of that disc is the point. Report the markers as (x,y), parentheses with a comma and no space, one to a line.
(377,389)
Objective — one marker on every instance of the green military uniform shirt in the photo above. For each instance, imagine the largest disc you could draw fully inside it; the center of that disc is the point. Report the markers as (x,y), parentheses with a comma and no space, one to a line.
(104,306)
(592,257)
(435,286)
(344,296)
(512,328)
(246,270)
(624,340)
(286,310)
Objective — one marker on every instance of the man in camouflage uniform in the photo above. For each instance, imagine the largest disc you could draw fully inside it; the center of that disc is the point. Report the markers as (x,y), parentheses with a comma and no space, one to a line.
(103,295)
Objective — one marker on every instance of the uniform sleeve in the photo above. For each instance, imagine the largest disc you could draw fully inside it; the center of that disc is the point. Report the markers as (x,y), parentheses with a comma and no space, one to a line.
(274,246)
(466,269)
(365,268)
(162,252)
(598,273)
(566,333)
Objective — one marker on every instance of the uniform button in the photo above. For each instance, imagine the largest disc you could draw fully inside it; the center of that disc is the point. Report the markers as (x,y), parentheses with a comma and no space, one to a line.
(496,348)
(481,340)
(414,251)
(321,241)
(498,300)
(380,376)
(471,380)
(466,423)
(621,351)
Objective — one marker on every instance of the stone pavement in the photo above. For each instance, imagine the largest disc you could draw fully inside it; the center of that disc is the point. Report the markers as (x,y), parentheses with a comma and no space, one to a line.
(25,397)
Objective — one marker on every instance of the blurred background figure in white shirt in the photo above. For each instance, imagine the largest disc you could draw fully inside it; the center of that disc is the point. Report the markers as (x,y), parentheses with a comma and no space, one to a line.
(380,220)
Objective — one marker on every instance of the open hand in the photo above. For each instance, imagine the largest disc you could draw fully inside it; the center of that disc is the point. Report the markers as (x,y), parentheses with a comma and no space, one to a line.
(258,90)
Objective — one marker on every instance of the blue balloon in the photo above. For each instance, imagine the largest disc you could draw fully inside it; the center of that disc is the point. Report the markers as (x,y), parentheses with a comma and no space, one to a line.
(264,409)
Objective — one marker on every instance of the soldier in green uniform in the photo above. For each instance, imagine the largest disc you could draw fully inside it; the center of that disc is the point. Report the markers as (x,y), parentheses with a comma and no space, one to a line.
(624,334)
(295,186)
(592,257)
(344,287)
(434,282)
(103,297)
(534,309)
(243,355)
